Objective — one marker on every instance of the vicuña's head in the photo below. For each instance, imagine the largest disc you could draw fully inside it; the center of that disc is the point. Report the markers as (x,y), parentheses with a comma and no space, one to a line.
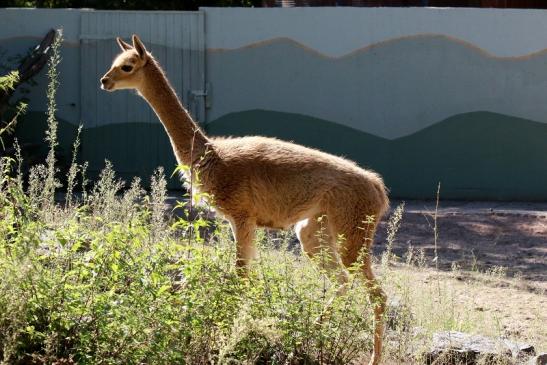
(127,69)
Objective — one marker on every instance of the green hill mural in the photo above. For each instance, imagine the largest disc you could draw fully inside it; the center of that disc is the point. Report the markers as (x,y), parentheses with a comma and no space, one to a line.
(478,155)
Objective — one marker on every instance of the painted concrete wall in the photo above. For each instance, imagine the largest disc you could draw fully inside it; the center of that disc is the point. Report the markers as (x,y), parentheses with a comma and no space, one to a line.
(420,95)
(456,96)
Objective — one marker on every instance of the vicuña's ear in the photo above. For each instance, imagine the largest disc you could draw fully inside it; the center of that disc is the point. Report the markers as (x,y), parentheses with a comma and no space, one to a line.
(123,45)
(139,46)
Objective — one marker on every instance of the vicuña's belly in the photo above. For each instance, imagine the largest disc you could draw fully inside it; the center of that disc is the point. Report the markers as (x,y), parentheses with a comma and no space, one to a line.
(284,218)
(266,223)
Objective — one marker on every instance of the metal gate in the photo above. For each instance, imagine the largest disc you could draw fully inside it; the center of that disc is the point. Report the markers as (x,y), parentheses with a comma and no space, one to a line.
(121,126)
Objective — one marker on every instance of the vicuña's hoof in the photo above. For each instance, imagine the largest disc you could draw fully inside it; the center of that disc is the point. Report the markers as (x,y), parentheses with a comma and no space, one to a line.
(374,360)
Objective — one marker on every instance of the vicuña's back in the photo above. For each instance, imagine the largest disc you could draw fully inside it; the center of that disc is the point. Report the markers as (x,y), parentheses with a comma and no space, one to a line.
(265,182)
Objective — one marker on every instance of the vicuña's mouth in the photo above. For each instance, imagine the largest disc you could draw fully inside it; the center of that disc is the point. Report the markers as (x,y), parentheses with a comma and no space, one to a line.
(107,87)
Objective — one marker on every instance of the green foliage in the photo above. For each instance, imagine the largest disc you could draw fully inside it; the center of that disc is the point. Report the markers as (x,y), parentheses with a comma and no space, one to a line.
(51,133)
(8,82)
(130,4)
(101,285)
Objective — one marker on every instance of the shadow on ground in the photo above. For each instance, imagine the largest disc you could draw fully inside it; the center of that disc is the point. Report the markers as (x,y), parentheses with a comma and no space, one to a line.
(475,239)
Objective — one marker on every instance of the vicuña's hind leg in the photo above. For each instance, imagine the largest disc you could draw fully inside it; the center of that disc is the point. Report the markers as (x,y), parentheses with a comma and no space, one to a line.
(378,299)
(244,233)
(357,246)
(356,222)
(314,236)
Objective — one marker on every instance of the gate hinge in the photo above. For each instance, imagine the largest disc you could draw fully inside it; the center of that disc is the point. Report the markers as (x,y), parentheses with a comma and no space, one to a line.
(203,94)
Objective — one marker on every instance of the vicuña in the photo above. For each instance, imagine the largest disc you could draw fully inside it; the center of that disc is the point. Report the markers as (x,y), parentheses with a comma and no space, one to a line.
(265,182)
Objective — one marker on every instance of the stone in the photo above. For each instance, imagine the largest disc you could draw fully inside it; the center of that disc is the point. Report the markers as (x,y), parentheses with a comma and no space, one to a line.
(540,359)
(451,347)
(398,315)
(520,349)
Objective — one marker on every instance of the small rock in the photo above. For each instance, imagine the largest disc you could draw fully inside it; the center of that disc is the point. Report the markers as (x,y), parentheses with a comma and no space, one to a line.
(398,316)
(453,347)
(540,359)
(520,349)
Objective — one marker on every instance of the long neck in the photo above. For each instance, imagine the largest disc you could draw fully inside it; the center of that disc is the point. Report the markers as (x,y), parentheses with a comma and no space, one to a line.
(188,141)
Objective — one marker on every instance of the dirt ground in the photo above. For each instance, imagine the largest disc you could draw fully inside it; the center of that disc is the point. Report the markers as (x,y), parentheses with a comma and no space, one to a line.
(481,236)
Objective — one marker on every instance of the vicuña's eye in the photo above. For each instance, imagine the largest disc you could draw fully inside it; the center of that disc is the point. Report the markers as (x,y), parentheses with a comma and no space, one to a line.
(127,68)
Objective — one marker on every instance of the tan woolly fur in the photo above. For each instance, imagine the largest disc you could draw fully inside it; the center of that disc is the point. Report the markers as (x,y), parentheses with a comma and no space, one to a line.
(265,182)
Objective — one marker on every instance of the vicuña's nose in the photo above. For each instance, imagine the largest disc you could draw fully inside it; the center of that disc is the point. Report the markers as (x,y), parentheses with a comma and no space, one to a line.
(104,80)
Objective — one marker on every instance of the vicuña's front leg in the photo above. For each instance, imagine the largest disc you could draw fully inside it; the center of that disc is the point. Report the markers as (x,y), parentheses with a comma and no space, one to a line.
(244,233)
